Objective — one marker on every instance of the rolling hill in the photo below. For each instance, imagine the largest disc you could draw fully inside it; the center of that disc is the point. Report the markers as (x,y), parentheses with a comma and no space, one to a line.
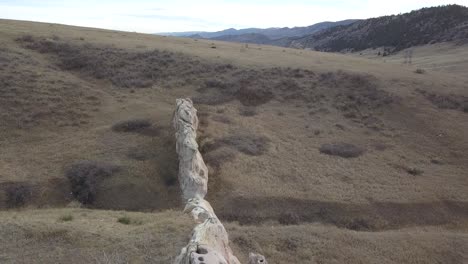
(313,157)
(425,26)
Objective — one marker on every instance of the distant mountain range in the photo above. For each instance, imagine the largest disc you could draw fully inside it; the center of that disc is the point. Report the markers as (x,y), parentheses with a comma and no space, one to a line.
(270,33)
(394,33)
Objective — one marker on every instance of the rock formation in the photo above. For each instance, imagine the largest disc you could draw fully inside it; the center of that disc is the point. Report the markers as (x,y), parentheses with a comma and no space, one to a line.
(209,243)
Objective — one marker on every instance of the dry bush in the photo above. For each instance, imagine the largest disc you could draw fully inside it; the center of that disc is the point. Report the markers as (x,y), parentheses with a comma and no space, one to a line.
(420,71)
(254,96)
(212,99)
(222,119)
(288,85)
(219,156)
(123,68)
(414,171)
(446,101)
(18,194)
(84,177)
(248,111)
(247,143)
(25,38)
(66,218)
(216,83)
(129,221)
(140,154)
(141,126)
(252,87)
(289,218)
(344,150)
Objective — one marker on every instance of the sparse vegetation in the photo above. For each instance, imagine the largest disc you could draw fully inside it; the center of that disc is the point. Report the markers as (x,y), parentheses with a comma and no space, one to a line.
(414,171)
(219,156)
(84,176)
(133,125)
(66,218)
(140,126)
(420,71)
(248,111)
(446,101)
(246,143)
(344,150)
(222,119)
(289,218)
(139,154)
(126,220)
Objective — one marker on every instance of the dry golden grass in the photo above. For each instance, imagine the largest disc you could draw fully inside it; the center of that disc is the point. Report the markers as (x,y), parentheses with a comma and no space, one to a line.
(406,194)
(444,57)
(96,236)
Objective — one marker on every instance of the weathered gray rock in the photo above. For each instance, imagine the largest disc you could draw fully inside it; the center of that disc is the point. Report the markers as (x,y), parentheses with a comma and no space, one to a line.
(209,243)
(193,173)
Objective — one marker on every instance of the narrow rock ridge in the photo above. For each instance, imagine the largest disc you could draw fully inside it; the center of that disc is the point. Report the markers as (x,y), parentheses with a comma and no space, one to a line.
(209,243)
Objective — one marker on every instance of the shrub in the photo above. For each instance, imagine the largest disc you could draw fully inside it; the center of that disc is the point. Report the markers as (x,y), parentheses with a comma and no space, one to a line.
(66,218)
(358,224)
(25,38)
(420,71)
(139,154)
(124,220)
(222,119)
(128,221)
(289,218)
(216,158)
(254,96)
(289,85)
(84,177)
(215,83)
(414,171)
(248,144)
(446,101)
(248,111)
(18,194)
(132,125)
(343,150)
(212,99)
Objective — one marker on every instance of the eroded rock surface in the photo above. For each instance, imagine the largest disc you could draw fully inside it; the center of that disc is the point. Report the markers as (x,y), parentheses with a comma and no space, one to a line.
(209,243)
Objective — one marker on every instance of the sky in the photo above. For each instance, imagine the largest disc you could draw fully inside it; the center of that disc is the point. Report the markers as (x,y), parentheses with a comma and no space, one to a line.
(155,16)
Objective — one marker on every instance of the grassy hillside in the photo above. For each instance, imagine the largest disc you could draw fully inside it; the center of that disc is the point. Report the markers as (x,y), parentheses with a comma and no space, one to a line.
(313,157)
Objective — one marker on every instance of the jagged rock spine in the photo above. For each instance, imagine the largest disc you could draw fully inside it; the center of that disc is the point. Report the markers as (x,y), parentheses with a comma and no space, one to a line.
(209,243)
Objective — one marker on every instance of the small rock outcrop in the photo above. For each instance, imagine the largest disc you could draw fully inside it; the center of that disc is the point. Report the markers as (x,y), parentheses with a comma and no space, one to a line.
(209,243)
